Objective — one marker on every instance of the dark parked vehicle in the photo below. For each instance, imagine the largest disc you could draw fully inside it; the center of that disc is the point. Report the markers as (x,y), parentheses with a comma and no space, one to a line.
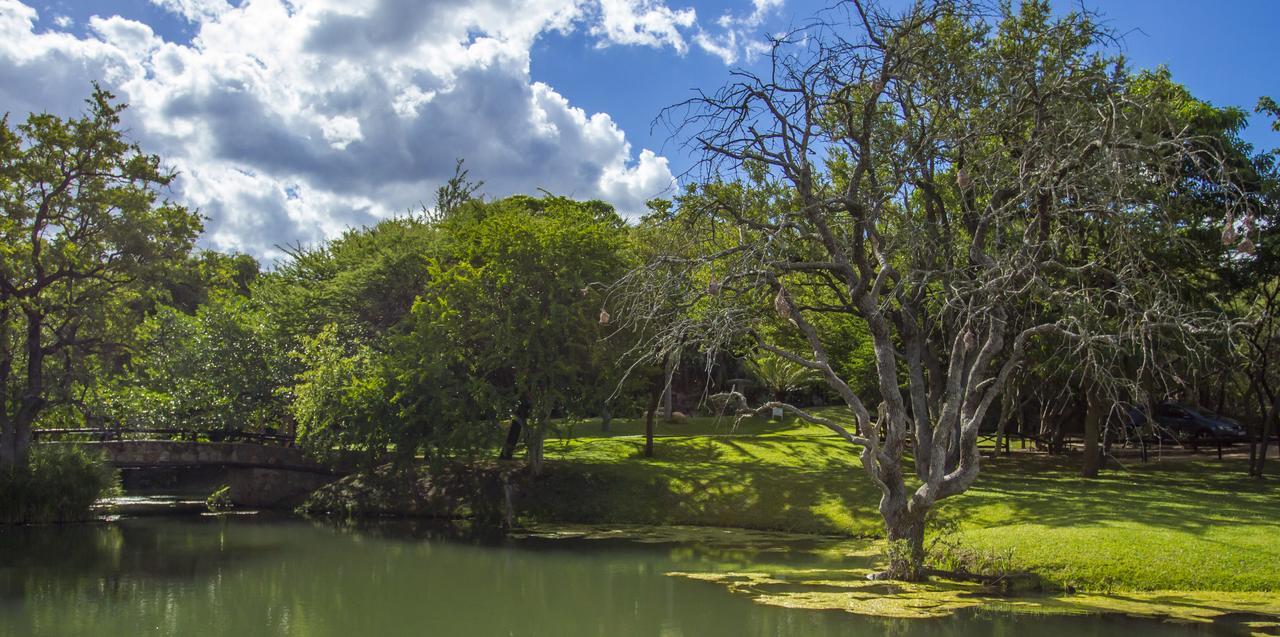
(1186,423)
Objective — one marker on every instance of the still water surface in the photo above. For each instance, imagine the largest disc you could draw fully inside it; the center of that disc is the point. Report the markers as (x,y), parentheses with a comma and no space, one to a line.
(249,576)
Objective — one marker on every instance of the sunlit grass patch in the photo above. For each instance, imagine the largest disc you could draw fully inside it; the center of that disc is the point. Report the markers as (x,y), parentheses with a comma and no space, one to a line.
(1170,525)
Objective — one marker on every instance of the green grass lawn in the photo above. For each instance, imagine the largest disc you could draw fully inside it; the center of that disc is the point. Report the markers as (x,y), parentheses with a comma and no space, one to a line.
(1170,525)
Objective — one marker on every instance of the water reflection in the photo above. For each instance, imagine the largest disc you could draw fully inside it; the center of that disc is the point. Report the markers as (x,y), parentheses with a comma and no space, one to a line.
(247,577)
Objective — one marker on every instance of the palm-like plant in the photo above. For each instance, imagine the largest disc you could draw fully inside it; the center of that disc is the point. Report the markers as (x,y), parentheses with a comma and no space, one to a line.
(779,375)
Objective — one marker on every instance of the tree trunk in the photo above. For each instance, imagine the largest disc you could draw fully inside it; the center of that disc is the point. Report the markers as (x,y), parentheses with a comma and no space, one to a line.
(513,439)
(654,397)
(8,454)
(606,418)
(1268,430)
(533,443)
(667,400)
(15,429)
(906,545)
(15,437)
(1007,401)
(1092,431)
(519,423)
(953,449)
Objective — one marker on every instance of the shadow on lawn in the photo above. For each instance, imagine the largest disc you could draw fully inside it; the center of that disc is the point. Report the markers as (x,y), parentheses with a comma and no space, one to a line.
(689,487)
(696,426)
(797,479)
(1183,495)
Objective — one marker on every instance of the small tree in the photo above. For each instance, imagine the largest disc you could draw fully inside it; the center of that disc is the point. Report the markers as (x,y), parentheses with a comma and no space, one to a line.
(81,223)
(967,180)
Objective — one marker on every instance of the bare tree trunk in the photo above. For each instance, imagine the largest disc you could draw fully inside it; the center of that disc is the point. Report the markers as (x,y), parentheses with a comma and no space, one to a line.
(606,418)
(1268,430)
(8,452)
(654,397)
(1092,431)
(533,443)
(667,400)
(513,439)
(905,529)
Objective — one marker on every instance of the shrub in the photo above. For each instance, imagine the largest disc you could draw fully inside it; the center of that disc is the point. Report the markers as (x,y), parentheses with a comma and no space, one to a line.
(949,552)
(58,483)
(220,500)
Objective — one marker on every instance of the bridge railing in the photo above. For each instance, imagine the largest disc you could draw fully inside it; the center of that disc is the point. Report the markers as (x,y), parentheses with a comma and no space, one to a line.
(110,434)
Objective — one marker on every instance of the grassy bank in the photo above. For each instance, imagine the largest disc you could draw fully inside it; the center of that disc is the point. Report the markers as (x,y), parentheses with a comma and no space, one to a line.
(1193,525)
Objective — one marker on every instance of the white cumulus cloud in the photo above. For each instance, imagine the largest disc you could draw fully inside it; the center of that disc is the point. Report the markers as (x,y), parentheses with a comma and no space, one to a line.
(738,37)
(290,120)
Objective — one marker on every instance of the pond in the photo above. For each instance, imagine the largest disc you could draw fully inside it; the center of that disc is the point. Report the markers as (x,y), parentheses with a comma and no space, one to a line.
(247,576)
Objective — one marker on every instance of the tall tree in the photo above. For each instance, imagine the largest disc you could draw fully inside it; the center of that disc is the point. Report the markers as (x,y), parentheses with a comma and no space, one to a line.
(967,186)
(512,301)
(82,221)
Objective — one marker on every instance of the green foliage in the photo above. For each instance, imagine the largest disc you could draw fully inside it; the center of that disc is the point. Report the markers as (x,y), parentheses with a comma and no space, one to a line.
(507,325)
(1267,105)
(57,483)
(217,369)
(191,282)
(781,376)
(336,309)
(83,229)
(365,281)
(419,335)
(948,551)
(220,499)
(342,399)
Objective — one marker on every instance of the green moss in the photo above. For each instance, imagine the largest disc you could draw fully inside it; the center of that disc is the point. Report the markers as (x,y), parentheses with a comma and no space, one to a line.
(826,573)
(851,592)
(858,595)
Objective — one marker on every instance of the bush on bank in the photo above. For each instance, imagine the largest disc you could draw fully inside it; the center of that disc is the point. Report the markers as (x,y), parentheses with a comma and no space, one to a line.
(58,483)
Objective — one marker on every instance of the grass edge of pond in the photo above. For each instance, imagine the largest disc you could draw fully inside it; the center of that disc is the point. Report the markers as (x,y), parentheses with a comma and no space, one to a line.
(848,590)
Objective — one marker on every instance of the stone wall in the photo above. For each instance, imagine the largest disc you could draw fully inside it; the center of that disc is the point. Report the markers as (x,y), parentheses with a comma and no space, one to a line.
(266,488)
(261,476)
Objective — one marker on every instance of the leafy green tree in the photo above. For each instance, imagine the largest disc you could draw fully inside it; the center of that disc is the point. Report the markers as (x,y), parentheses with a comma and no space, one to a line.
(82,225)
(217,370)
(365,281)
(509,307)
(343,398)
(421,335)
(337,307)
(190,283)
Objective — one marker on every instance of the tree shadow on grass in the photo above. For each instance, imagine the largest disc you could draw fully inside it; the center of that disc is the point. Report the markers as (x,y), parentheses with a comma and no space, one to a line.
(688,486)
(1180,496)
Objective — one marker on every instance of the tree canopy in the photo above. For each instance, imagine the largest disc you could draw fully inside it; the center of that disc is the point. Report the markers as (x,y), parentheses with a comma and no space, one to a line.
(83,222)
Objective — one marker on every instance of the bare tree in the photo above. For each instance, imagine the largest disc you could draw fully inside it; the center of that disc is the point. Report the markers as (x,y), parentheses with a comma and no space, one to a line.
(971,182)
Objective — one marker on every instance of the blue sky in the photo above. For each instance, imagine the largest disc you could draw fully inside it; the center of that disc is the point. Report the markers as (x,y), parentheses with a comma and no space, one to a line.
(1225,52)
(291,120)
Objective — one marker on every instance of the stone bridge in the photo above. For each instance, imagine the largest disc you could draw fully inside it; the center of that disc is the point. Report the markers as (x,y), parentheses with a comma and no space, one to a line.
(259,475)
